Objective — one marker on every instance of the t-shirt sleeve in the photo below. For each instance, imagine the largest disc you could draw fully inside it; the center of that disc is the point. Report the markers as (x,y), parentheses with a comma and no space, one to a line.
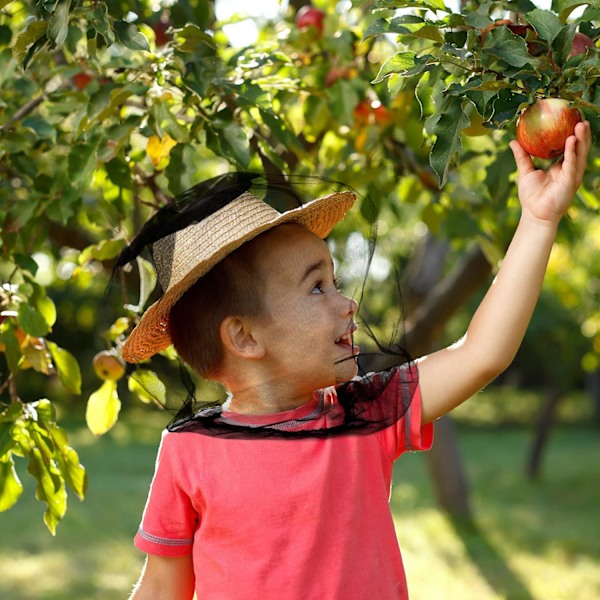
(407,433)
(169,520)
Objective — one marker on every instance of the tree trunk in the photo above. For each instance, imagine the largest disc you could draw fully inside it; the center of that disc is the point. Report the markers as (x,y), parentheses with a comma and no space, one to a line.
(432,310)
(592,383)
(542,432)
(447,471)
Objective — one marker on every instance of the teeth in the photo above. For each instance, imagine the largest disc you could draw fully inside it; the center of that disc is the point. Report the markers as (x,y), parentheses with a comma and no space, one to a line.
(346,339)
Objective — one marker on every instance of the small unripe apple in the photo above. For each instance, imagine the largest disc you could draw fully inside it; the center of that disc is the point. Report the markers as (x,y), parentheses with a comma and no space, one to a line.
(308,16)
(107,366)
(544,127)
(581,43)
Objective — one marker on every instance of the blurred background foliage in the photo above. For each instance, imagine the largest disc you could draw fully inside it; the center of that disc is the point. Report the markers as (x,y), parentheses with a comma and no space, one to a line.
(109,109)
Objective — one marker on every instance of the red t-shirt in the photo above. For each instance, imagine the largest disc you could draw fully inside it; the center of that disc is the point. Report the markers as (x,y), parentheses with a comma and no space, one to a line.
(302,519)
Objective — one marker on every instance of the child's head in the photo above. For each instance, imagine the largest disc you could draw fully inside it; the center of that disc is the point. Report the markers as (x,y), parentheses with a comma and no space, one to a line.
(232,287)
(196,239)
(273,300)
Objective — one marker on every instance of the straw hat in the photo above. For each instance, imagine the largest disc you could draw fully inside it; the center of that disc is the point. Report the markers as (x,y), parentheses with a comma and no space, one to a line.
(181,258)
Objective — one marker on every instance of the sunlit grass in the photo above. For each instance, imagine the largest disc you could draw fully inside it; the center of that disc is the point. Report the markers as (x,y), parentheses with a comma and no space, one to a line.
(530,540)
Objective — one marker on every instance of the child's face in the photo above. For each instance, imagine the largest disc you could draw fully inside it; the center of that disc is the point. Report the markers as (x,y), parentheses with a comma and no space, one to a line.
(307,327)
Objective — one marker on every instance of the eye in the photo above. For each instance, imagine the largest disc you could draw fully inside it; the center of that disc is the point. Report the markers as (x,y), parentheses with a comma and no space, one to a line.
(318,288)
(337,284)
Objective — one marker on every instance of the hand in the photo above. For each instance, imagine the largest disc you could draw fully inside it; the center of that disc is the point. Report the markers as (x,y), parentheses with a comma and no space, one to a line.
(546,195)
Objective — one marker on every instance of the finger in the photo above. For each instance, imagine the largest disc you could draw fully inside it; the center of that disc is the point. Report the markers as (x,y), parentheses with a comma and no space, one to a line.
(522,159)
(584,140)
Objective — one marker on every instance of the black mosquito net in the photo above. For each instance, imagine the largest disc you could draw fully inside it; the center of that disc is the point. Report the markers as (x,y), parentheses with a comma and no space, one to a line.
(367,403)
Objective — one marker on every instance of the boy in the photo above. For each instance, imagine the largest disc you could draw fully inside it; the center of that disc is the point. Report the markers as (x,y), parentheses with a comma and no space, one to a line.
(238,510)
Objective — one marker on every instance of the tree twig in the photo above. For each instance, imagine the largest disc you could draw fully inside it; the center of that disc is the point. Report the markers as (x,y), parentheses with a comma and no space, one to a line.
(23,112)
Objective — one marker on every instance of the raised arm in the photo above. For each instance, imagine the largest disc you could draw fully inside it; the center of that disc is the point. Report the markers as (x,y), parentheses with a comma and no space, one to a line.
(452,375)
(166,578)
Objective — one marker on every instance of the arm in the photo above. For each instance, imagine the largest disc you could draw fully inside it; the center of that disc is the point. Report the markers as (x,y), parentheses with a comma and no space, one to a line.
(166,578)
(452,375)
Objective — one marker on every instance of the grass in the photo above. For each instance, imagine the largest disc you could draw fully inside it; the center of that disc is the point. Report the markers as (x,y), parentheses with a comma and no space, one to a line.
(530,540)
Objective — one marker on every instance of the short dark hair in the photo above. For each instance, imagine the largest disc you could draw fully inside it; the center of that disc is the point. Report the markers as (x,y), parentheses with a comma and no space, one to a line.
(231,288)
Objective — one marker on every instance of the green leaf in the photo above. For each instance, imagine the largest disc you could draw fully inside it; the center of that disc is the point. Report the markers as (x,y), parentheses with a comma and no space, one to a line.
(58,26)
(32,321)
(279,131)
(67,460)
(501,43)
(35,31)
(343,97)
(13,350)
(182,168)
(6,439)
(147,386)
(100,20)
(4,3)
(387,26)
(480,18)
(191,37)
(104,250)
(235,144)
(164,121)
(41,127)
(82,162)
(398,63)
(497,179)
(447,132)
(119,172)
(506,105)
(69,373)
(130,36)
(47,309)
(50,487)
(425,4)
(546,24)
(10,485)
(103,408)
(148,280)
(565,7)
(561,45)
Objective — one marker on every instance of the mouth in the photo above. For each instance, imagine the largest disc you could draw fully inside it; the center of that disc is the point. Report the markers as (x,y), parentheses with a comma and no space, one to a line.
(345,340)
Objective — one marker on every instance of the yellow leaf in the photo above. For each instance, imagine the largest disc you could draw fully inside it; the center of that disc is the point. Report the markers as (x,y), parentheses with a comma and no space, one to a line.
(158,149)
(103,408)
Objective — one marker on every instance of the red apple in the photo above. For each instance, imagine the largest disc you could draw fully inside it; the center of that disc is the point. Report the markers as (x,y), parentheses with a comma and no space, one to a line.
(82,80)
(581,43)
(362,112)
(544,127)
(161,37)
(308,16)
(382,115)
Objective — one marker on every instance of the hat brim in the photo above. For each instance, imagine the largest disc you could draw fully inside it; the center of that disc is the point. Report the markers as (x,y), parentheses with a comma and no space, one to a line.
(151,334)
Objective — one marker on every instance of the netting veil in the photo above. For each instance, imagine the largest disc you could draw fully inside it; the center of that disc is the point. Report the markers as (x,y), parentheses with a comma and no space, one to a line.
(366,404)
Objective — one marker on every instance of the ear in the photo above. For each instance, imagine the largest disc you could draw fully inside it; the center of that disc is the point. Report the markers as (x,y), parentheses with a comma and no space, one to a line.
(237,338)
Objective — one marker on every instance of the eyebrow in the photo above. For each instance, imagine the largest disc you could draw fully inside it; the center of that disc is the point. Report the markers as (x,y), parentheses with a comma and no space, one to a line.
(320,264)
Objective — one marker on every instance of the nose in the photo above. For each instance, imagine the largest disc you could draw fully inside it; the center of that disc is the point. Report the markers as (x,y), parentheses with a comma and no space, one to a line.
(349,305)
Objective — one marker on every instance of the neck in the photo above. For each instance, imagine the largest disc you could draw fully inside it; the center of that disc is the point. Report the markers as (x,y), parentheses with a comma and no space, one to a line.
(264,400)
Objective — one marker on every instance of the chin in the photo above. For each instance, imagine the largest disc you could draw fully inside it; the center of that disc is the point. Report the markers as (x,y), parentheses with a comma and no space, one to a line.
(348,372)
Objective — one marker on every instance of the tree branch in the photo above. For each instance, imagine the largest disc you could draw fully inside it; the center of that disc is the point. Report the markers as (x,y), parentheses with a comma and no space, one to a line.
(23,112)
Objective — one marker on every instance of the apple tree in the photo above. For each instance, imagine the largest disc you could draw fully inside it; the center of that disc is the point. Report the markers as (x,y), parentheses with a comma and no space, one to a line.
(110,108)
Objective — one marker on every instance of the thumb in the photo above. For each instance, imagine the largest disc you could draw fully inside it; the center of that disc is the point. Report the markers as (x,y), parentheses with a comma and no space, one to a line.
(522,159)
